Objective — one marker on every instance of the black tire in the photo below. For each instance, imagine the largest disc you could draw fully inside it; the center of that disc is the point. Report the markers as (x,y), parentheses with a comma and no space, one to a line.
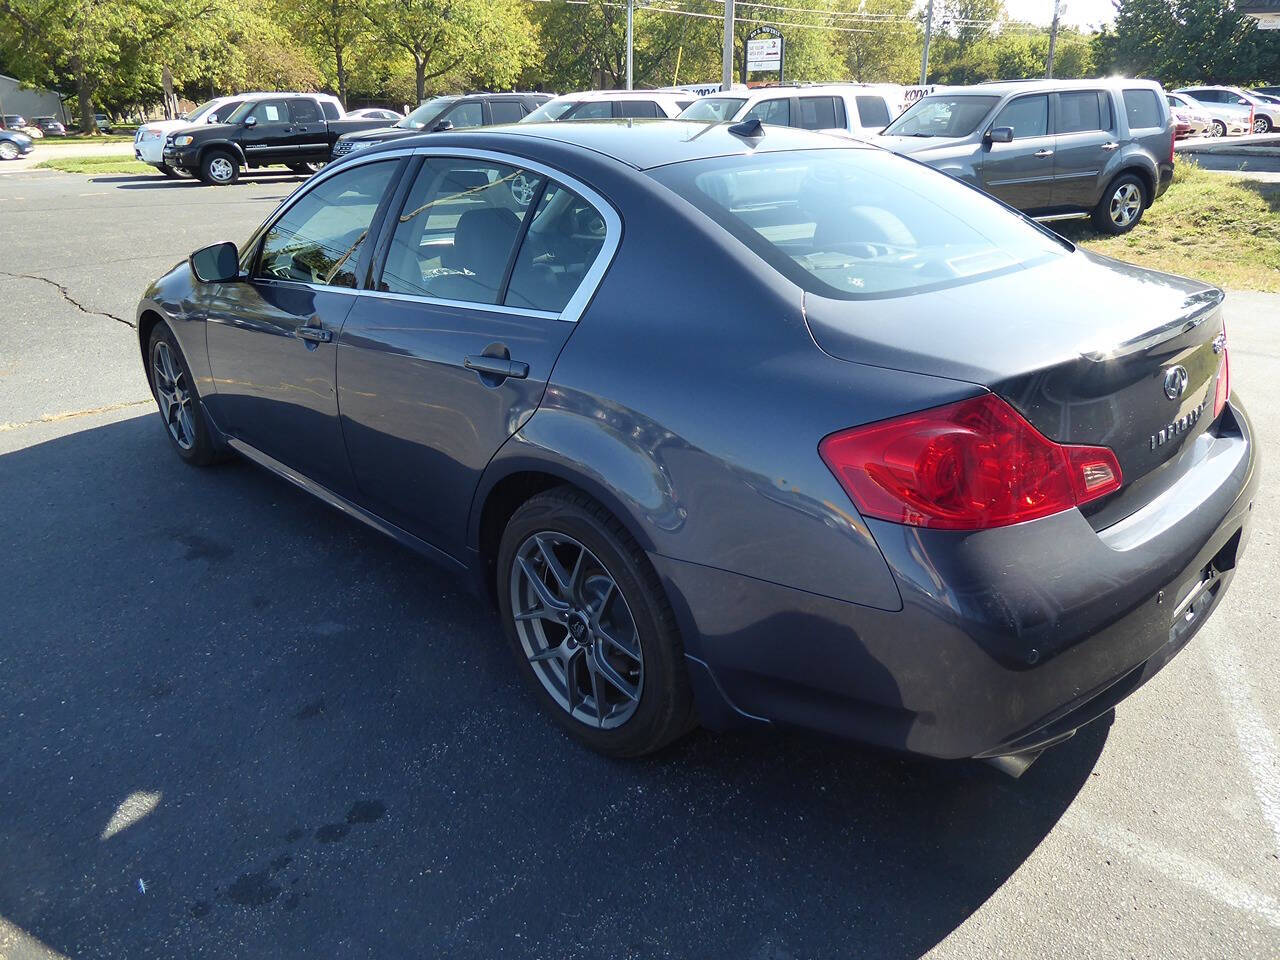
(1122,205)
(218,168)
(168,171)
(190,437)
(305,169)
(1219,129)
(664,709)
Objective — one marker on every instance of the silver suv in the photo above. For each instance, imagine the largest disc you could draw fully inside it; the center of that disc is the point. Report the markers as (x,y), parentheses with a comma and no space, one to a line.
(1055,149)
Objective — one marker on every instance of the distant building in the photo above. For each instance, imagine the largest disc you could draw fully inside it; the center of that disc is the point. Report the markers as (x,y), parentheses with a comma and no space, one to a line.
(29,101)
(1266,12)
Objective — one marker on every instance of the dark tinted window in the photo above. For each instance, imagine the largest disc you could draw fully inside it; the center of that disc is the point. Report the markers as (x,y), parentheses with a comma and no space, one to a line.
(873,113)
(1029,116)
(318,240)
(304,111)
(820,113)
(506,111)
(330,110)
(459,225)
(1142,108)
(858,223)
(1078,111)
(637,108)
(771,111)
(564,238)
(590,110)
(469,114)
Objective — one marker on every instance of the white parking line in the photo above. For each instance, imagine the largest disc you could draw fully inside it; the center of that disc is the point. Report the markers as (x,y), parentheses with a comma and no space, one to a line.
(1257,743)
(1174,864)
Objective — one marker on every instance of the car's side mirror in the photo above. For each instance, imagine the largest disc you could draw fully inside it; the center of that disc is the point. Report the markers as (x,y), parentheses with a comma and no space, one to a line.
(1000,135)
(219,263)
(442,126)
(251,121)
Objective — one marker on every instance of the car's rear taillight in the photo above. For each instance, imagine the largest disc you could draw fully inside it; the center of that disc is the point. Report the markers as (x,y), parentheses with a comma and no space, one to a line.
(965,466)
(1223,390)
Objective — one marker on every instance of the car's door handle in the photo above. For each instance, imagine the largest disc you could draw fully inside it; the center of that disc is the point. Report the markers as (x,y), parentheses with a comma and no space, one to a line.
(1111,146)
(1043,153)
(496,366)
(315,334)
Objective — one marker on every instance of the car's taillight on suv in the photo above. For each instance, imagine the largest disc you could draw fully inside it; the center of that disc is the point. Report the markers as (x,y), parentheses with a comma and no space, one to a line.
(965,466)
(1223,391)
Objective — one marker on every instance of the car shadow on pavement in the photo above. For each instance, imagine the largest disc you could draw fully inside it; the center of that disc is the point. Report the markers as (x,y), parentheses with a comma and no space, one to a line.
(237,723)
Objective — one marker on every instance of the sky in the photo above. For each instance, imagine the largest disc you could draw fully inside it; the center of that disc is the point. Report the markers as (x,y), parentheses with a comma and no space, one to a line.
(1077,13)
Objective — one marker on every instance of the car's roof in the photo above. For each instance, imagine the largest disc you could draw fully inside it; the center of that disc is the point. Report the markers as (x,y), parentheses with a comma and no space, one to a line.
(584,95)
(1001,88)
(645,144)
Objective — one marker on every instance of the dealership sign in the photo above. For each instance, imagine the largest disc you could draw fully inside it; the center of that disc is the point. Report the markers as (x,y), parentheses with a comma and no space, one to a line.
(765,51)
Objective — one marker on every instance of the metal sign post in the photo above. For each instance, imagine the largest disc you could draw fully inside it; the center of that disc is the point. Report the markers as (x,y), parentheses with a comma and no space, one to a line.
(766,50)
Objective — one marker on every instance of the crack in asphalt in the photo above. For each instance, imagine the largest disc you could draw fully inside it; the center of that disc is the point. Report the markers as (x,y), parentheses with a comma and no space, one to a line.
(66,295)
(71,414)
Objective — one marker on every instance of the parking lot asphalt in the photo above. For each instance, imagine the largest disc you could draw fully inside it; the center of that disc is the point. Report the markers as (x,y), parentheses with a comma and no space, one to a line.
(234,722)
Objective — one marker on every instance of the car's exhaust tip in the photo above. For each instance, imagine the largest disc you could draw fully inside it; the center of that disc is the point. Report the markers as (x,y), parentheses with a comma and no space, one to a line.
(1014,764)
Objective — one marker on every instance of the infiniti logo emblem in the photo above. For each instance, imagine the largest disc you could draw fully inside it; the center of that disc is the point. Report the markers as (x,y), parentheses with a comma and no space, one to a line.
(1175,382)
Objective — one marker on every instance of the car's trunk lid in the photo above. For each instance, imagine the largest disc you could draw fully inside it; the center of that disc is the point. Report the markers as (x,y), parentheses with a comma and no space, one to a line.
(1082,346)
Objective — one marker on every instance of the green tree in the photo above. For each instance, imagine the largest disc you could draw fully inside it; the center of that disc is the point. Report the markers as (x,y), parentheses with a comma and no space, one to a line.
(331,30)
(878,49)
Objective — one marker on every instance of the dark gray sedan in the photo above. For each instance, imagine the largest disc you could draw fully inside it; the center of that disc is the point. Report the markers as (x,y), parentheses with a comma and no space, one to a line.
(736,425)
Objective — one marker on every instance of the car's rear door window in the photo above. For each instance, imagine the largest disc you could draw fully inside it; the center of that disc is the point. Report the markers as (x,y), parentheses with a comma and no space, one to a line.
(319,239)
(1079,111)
(1142,108)
(564,238)
(457,231)
(873,113)
(776,111)
(821,113)
(859,223)
(506,111)
(1028,116)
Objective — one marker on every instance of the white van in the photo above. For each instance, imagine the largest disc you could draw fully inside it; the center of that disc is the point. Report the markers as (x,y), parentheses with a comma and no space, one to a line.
(853,109)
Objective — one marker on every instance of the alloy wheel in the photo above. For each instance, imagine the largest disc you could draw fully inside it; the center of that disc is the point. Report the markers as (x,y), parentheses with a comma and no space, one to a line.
(1126,203)
(8,150)
(174,396)
(1219,129)
(577,630)
(221,169)
(1261,125)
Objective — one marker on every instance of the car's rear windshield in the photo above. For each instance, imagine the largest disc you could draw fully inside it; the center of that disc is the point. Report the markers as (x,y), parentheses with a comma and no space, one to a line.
(424,114)
(859,223)
(942,116)
(712,109)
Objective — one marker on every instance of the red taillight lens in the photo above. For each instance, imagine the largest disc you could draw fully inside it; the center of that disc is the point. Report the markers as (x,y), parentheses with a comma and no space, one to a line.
(966,466)
(1223,390)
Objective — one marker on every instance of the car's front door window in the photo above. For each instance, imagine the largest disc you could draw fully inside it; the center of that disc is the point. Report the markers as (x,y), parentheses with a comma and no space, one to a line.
(454,238)
(1028,116)
(271,111)
(320,238)
(469,114)
(776,111)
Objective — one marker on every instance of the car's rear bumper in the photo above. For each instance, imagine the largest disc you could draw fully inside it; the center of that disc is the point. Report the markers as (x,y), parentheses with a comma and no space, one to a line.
(1008,638)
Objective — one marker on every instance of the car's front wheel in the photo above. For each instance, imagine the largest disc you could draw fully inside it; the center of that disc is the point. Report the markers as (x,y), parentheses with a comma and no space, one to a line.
(219,168)
(8,150)
(1219,129)
(1121,206)
(1261,124)
(591,627)
(175,393)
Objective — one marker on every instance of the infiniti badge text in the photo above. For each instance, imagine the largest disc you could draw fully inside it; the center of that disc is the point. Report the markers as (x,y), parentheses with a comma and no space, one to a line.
(1178,427)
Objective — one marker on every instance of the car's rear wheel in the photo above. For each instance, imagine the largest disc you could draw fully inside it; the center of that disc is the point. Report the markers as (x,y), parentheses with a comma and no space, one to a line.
(175,393)
(8,150)
(591,626)
(1121,205)
(168,171)
(219,168)
(1261,124)
(1219,129)
(306,169)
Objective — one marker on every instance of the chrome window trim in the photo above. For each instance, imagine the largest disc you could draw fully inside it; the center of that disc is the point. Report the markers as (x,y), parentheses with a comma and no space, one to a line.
(577,304)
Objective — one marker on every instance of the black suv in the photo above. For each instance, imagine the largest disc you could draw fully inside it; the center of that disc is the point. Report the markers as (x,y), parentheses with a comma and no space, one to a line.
(294,129)
(448,113)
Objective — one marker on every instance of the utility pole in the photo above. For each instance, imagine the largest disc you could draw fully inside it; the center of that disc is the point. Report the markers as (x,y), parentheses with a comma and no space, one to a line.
(726,74)
(928,34)
(1053,38)
(631,18)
